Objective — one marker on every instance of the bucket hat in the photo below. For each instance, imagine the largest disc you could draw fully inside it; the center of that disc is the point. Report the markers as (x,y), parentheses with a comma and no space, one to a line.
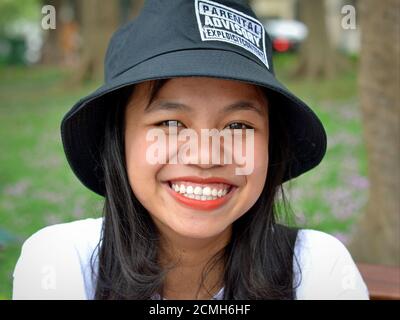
(183,38)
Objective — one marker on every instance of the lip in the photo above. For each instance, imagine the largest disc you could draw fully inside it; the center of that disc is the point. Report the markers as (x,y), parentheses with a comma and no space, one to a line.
(205,205)
(204,180)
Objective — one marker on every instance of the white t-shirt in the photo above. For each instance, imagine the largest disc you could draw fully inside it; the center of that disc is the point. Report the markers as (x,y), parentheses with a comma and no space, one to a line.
(55,264)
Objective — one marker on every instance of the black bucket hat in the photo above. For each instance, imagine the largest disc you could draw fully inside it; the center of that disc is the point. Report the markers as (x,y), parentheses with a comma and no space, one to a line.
(182,38)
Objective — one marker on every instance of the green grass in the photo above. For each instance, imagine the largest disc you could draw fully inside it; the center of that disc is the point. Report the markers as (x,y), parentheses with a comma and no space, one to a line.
(37,187)
(331,196)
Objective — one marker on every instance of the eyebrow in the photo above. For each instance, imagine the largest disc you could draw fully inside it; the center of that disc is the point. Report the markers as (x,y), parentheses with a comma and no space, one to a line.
(173,106)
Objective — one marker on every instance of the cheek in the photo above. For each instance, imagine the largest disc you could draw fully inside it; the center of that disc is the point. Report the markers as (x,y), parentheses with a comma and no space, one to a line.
(261,157)
(256,180)
(141,173)
(135,145)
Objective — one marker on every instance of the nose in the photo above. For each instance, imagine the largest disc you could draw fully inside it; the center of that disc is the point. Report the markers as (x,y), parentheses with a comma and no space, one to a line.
(206,151)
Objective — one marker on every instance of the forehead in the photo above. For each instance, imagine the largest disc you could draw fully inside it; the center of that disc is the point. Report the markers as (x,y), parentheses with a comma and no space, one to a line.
(192,91)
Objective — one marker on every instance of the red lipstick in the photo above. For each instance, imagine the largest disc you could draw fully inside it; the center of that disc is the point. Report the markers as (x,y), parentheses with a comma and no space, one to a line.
(205,205)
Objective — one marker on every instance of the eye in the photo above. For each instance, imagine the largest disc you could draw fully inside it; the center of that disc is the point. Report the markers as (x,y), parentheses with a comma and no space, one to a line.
(238,125)
(170,123)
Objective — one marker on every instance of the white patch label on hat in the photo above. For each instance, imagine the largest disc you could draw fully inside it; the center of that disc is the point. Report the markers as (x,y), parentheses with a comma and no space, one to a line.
(221,23)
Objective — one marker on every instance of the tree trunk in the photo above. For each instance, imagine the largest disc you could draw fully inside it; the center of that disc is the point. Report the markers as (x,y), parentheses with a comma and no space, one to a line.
(99,20)
(377,238)
(318,58)
(136,7)
(51,53)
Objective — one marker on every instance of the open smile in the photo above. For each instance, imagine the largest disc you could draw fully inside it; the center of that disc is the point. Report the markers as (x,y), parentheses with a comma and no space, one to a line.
(201,195)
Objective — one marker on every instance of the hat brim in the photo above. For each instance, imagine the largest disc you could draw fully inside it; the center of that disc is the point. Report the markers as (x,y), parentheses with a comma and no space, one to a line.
(82,127)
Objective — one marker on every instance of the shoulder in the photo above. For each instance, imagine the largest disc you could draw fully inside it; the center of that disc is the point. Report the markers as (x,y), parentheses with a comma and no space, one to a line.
(53,261)
(318,242)
(77,236)
(325,268)
(83,229)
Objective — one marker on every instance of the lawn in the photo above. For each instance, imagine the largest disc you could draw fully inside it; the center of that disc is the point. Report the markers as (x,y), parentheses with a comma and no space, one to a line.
(37,188)
(332,196)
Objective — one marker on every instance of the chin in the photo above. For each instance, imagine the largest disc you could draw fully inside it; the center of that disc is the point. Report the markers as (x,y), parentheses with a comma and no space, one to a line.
(198,230)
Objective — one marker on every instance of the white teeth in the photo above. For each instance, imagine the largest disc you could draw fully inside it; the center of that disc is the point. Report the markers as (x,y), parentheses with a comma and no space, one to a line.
(189,190)
(198,192)
(206,191)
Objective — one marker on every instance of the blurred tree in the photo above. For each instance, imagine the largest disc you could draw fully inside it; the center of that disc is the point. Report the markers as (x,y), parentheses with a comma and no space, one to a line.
(69,33)
(99,20)
(377,239)
(318,57)
(12,11)
(15,20)
(136,7)
(51,52)
(61,45)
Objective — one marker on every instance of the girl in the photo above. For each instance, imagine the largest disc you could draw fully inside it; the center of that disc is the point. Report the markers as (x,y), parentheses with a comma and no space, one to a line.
(175,226)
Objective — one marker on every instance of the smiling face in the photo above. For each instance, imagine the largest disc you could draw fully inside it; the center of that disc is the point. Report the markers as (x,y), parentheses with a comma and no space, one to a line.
(195,200)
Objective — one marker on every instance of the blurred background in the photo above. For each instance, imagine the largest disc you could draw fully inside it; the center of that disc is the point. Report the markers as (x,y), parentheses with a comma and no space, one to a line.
(340,56)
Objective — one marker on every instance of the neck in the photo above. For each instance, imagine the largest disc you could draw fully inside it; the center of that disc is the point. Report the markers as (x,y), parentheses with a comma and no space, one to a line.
(187,259)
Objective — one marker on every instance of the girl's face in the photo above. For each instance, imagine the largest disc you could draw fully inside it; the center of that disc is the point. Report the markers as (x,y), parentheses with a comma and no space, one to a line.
(176,195)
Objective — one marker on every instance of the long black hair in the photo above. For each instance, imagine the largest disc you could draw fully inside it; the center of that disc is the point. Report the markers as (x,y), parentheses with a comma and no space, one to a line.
(258,260)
